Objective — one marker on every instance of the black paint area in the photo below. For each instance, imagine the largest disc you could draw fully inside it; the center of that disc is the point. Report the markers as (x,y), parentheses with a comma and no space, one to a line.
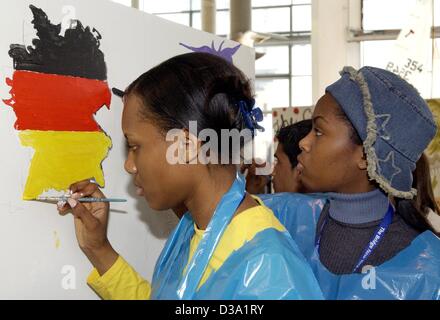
(75,54)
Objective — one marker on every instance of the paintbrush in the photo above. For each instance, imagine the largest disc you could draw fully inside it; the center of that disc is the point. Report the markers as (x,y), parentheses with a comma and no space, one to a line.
(64,198)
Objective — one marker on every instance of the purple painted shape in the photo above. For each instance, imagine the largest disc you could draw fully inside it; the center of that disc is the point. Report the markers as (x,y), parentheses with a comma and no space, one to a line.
(226,53)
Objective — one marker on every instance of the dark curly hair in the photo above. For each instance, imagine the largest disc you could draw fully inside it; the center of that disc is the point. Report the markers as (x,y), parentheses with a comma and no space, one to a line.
(290,136)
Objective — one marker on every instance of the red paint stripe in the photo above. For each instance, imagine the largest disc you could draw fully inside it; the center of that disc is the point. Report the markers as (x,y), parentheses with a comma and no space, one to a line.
(54,102)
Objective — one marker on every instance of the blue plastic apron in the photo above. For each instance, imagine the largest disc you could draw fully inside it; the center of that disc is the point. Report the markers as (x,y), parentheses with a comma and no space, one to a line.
(270,266)
(186,286)
(414,273)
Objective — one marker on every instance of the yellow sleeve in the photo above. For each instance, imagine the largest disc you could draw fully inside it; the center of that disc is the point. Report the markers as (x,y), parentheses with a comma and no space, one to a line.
(120,282)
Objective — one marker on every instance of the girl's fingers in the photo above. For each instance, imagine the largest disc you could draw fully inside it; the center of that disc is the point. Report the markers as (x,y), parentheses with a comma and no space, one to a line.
(81,212)
(79,185)
(82,184)
(86,188)
(62,207)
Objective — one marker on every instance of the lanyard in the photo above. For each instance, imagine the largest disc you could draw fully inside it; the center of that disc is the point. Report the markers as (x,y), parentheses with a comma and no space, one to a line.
(374,241)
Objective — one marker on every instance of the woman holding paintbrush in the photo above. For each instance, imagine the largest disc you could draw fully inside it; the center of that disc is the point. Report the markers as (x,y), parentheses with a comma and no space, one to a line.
(228,245)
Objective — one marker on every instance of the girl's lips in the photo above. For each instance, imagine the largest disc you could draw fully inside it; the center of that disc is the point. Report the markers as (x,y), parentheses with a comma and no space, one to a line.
(300,167)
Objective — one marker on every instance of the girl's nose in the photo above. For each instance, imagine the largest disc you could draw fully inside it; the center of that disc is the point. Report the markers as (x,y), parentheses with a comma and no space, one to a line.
(129,166)
(304,144)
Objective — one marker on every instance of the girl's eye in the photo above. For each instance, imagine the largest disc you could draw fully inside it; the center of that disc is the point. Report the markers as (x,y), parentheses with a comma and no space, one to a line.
(132,148)
(317,132)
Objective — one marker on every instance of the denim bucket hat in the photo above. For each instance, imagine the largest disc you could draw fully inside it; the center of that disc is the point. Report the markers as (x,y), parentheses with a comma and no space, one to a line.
(393,121)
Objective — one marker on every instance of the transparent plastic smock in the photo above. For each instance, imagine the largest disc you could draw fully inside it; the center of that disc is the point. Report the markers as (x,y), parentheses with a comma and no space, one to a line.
(414,273)
(270,266)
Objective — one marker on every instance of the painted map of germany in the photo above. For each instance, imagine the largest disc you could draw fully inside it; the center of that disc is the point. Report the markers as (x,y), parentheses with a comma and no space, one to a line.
(58,85)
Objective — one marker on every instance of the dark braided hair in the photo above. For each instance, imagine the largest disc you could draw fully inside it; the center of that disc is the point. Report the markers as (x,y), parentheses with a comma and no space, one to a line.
(197,87)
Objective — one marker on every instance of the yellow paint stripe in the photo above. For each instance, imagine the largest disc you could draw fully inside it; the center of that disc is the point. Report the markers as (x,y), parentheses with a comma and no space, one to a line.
(62,158)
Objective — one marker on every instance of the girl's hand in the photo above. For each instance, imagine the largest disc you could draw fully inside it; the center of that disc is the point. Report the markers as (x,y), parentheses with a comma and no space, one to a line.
(91,221)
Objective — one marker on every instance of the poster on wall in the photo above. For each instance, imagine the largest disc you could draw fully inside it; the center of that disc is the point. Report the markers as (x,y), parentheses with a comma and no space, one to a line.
(282,117)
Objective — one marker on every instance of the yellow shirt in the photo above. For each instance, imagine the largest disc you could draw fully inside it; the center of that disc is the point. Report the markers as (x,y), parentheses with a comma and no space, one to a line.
(121,281)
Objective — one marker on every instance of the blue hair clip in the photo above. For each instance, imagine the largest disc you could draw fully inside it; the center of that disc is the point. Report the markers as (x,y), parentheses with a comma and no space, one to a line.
(251,118)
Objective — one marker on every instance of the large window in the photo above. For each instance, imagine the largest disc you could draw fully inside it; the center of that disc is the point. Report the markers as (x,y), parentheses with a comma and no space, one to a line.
(187,12)
(390,14)
(380,15)
(284,74)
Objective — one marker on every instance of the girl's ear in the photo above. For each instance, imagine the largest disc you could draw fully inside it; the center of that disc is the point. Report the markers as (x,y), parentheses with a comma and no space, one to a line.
(191,147)
(362,159)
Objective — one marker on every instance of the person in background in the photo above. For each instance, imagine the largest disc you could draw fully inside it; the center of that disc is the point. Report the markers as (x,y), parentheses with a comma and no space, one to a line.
(255,183)
(369,130)
(362,150)
(285,176)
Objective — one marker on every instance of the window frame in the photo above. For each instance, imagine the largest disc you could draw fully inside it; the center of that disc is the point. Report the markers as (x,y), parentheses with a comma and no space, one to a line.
(291,38)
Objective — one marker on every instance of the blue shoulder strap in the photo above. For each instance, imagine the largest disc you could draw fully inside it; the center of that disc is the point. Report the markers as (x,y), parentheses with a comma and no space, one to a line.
(211,237)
